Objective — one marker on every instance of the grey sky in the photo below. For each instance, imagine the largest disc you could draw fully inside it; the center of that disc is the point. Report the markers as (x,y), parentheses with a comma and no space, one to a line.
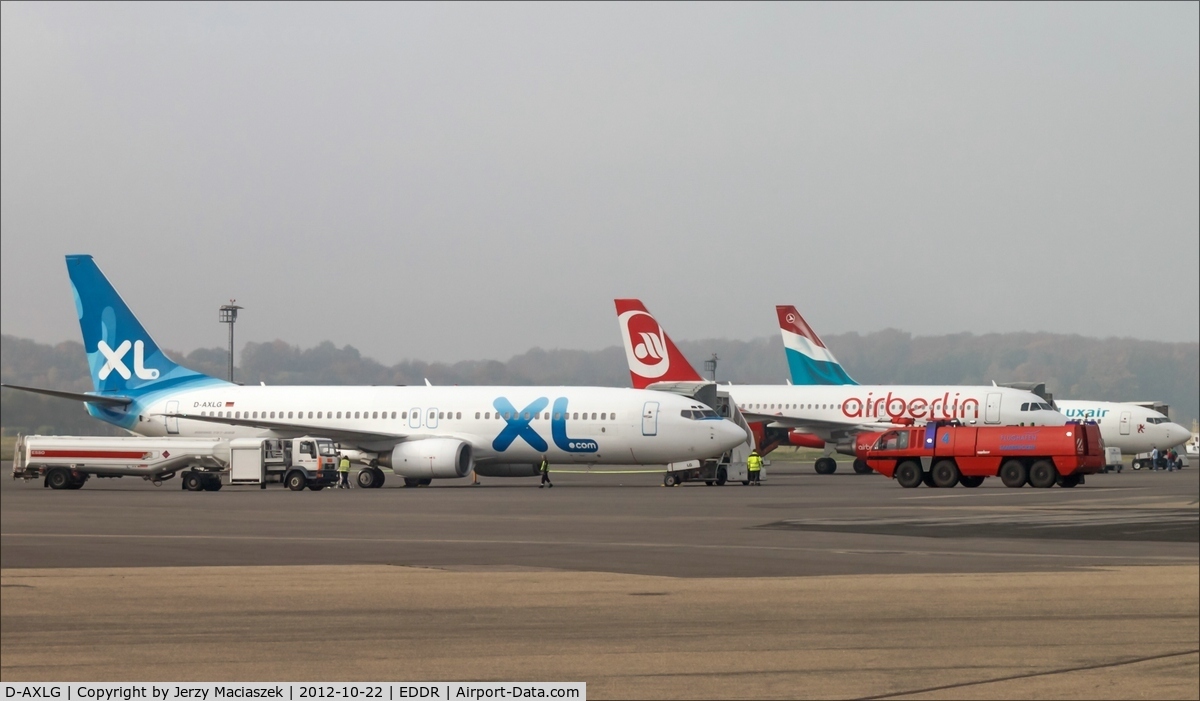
(468,181)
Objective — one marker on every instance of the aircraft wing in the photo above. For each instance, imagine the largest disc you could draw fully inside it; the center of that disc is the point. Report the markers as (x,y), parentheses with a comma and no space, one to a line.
(295,429)
(831,431)
(103,399)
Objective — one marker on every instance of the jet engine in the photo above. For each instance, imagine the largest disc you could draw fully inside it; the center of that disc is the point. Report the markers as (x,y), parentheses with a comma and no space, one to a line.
(430,458)
(507,469)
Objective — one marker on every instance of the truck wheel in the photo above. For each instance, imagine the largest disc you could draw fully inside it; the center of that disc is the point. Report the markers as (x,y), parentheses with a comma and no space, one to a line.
(722,477)
(861,467)
(970,481)
(825,466)
(927,479)
(709,483)
(366,478)
(1042,474)
(316,487)
(669,480)
(908,474)
(1137,464)
(193,482)
(945,474)
(1014,474)
(212,485)
(296,481)
(1070,481)
(58,479)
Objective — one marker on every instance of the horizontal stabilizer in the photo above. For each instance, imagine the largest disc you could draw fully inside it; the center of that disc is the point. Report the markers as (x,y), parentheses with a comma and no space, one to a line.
(105,400)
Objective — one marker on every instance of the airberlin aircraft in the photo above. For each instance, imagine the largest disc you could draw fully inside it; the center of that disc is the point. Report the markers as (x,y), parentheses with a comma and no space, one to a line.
(1132,427)
(827,416)
(421,433)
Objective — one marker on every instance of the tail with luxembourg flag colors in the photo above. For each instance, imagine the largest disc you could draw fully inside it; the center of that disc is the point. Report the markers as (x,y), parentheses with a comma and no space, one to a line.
(809,361)
(651,354)
(122,358)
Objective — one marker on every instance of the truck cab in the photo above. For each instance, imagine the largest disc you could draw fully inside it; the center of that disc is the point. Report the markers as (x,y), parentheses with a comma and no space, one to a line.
(300,462)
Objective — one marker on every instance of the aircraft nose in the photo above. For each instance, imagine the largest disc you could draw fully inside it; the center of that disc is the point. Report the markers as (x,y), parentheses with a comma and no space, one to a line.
(1177,434)
(728,434)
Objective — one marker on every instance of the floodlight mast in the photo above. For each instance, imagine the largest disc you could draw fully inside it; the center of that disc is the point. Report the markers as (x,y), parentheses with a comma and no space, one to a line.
(710,366)
(228,315)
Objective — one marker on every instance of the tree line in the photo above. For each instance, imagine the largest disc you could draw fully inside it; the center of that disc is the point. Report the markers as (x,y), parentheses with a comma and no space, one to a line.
(1073,367)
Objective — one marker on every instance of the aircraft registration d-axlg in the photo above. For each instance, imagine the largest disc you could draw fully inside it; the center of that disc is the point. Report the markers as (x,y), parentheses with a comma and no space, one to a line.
(419,432)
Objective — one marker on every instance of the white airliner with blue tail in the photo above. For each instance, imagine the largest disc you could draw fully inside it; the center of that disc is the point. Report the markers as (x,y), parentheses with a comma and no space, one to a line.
(421,433)
(1132,427)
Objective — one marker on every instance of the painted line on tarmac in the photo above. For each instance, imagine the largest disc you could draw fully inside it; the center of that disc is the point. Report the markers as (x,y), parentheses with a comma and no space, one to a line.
(1065,670)
(593,544)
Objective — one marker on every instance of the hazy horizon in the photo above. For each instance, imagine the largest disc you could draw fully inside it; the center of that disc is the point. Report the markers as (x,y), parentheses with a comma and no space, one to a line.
(453,181)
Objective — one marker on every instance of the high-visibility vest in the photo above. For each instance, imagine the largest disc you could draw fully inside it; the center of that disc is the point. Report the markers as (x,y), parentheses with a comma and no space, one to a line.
(545,466)
(754,463)
(344,465)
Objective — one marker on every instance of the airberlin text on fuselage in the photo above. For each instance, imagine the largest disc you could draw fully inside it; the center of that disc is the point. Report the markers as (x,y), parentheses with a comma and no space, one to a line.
(943,407)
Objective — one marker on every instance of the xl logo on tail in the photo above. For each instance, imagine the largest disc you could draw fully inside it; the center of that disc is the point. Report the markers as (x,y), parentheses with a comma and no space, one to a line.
(114,360)
(645,344)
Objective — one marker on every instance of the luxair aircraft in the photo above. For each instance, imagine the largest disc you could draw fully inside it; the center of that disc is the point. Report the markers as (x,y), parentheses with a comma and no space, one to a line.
(421,433)
(1134,428)
(828,415)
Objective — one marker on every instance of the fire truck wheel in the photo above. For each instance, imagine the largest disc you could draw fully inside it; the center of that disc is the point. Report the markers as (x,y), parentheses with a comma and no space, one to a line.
(927,479)
(58,479)
(722,477)
(193,482)
(1070,481)
(1042,474)
(861,467)
(945,474)
(970,481)
(295,481)
(1013,474)
(908,474)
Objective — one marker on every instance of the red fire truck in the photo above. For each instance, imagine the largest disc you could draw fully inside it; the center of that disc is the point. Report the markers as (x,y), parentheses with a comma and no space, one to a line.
(943,454)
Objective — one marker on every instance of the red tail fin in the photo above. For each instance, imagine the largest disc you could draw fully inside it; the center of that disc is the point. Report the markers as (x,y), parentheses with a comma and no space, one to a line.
(651,355)
(791,321)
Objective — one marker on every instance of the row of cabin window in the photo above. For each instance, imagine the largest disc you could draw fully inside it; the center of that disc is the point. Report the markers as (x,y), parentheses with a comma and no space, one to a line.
(443,415)
(604,416)
(327,414)
(789,406)
(953,407)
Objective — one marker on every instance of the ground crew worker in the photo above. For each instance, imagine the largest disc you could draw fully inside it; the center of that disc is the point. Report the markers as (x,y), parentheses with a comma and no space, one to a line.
(545,470)
(344,473)
(754,467)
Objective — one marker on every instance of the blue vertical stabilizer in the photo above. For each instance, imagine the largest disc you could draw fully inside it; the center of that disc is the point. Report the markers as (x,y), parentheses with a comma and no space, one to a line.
(122,358)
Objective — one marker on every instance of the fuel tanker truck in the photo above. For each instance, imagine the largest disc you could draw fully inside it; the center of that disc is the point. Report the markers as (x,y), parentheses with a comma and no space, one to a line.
(946,453)
(203,464)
